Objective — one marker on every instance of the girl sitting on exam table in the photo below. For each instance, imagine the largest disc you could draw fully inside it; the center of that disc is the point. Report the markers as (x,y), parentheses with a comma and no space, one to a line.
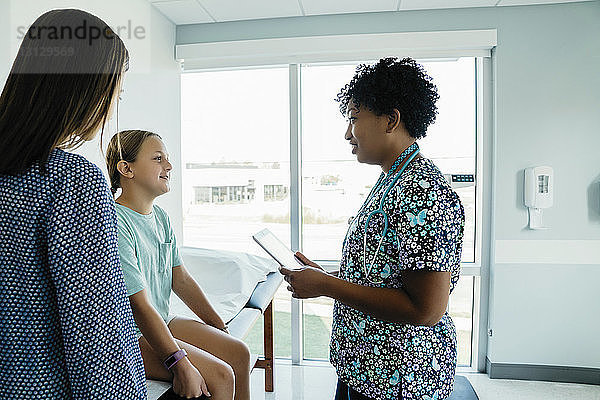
(200,357)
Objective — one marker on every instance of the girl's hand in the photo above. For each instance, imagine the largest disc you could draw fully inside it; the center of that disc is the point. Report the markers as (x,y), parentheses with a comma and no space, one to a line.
(307,282)
(225,329)
(220,325)
(187,381)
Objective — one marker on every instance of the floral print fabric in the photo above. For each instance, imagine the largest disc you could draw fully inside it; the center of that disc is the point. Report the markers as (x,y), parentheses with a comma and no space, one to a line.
(386,360)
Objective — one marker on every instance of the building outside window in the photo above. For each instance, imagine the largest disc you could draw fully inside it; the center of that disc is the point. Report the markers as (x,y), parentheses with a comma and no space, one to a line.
(202,194)
(276,192)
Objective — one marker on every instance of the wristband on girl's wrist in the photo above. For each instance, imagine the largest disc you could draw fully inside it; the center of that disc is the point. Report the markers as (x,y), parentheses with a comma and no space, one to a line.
(174,358)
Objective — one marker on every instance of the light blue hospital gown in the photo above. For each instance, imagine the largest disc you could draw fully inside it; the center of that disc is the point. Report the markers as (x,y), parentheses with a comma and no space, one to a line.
(385,360)
(66,327)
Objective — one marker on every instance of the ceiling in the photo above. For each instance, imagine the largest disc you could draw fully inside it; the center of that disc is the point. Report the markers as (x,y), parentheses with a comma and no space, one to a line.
(183,12)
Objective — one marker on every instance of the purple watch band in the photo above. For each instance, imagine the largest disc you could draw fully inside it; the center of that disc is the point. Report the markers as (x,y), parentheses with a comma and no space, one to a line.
(174,358)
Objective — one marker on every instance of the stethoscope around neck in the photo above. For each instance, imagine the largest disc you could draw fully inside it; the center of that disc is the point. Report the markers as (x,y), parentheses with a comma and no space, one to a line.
(414,148)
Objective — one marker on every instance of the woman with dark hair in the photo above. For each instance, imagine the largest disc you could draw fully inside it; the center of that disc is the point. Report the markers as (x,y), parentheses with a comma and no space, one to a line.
(392,337)
(66,327)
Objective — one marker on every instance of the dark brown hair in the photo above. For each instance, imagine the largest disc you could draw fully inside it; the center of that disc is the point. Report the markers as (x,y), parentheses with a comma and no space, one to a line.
(394,84)
(60,88)
(124,146)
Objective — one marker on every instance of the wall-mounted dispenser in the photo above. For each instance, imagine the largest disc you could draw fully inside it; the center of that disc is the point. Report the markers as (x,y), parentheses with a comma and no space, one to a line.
(539,193)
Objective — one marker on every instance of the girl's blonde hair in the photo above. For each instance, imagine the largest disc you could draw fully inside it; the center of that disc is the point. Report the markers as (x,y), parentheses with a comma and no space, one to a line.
(124,146)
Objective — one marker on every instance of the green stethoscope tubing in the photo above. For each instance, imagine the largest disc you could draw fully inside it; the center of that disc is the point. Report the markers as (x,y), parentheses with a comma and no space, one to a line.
(384,214)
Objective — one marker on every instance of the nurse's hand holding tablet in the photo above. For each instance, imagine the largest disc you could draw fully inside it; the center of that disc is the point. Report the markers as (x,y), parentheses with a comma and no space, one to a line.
(310,281)
(298,271)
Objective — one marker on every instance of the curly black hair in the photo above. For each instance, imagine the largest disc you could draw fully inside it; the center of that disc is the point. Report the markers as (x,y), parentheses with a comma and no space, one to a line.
(391,84)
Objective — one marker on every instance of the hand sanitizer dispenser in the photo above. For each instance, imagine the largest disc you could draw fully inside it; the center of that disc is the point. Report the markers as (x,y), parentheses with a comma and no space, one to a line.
(539,193)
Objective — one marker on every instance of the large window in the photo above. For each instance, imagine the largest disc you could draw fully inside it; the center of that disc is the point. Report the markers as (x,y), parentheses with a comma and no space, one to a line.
(236,149)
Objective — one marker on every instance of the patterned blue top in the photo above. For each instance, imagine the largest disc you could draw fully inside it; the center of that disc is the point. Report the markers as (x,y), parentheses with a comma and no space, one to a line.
(66,327)
(386,360)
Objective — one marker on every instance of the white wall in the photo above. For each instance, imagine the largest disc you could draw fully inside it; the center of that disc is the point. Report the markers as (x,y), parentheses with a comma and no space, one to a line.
(5,61)
(152,89)
(547,102)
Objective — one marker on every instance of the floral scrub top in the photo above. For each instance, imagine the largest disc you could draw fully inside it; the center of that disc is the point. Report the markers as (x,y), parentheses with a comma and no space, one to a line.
(386,360)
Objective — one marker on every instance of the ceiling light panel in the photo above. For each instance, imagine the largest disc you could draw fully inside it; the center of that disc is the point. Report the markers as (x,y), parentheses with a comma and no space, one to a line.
(235,10)
(318,7)
(183,12)
(430,4)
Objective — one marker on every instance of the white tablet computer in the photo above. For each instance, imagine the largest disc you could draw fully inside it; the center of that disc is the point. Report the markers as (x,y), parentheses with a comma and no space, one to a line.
(276,249)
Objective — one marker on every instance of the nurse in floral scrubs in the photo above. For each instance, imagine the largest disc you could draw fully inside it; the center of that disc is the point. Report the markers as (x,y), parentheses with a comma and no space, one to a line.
(392,337)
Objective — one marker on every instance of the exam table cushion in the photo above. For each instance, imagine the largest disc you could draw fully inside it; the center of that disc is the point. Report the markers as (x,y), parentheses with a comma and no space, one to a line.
(227,278)
(264,292)
(239,327)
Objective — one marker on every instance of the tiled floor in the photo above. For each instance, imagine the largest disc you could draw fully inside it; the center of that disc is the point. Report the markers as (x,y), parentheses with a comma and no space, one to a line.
(318,383)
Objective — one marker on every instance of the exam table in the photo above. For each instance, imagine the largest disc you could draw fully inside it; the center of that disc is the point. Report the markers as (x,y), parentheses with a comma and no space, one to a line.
(241,288)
